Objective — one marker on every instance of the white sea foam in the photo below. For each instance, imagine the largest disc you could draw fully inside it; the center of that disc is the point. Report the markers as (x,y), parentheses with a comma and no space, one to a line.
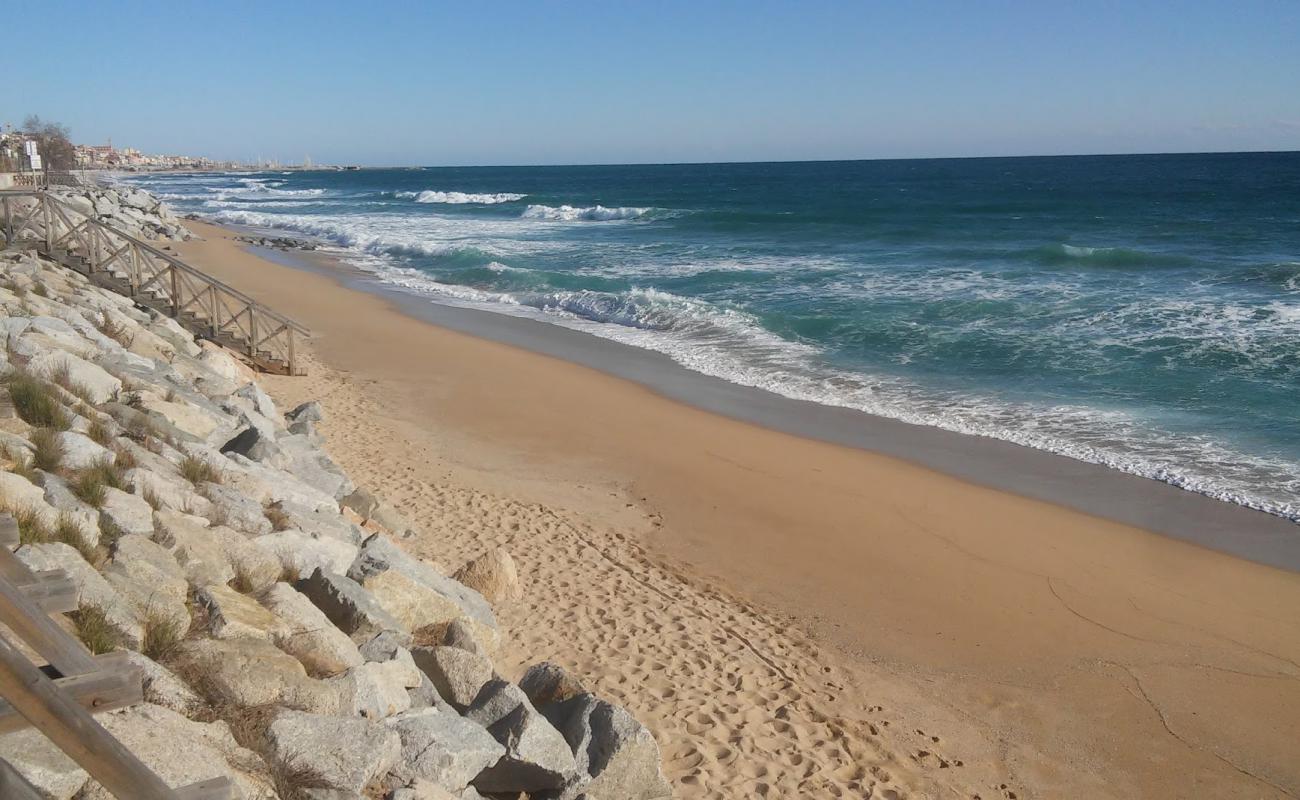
(460,198)
(590,213)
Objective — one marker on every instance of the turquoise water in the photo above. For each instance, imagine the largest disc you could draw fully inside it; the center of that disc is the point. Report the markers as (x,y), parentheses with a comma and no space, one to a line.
(1136,311)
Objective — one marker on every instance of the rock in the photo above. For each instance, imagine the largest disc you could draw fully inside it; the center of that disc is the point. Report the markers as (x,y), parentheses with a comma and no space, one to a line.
(180,751)
(457,674)
(309,635)
(251,443)
(349,606)
(126,511)
(548,683)
(43,764)
(442,748)
(312,466)
(168,490)
(424,790)
(98,385)
(81,451)
(267,484)
(231,615)
(495,701)
(92,588)
(21,494)
(68,505)
(146,576)
(236,509)
(193,420)
(460,634)
(617,757)
(361,501)
(310,411)
(345,754)
(163,688)
(202,555)
(492,575)
(413,603)
(537,757)
(373,690)
(252,672)
(379,555)
(261,401)
(301,554)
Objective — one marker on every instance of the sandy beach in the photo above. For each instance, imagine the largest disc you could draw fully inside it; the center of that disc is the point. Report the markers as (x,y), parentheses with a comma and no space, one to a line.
(792,617)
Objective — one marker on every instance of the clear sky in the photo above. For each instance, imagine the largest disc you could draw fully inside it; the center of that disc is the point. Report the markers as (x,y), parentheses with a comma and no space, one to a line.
(620,82)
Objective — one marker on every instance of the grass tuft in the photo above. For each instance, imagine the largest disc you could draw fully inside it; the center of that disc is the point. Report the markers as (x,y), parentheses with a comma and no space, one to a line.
(40,290)
(125,458)
(36,402)
(118,333)
(196,470)
(93,629)
(32,528)
(48,450)
(92,483)
(109,532)
(63,377)
(278,517)
(151,497)
(100,432)
(69,532)
(161,636)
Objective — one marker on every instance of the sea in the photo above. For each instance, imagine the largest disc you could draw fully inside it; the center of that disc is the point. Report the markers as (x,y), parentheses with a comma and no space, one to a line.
(1140,312)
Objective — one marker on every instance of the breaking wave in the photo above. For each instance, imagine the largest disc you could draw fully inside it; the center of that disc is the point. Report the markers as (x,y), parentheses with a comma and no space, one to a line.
(589,214)
(460,198)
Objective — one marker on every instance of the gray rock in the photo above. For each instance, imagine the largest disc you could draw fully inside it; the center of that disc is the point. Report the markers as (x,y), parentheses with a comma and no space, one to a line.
(253,672)
(236,509)
(193,544)
(146,576)
(459,675)
(459,634)
(92,588)
(493,575)
(346,754)
(310,411)
(441,747)
(80,451)
(302,554)
(495,701)
(349,606)
(261,401)
(129,513)
(163,688)
(617,757)
(323,649)
(61,499)
(379,554)
(548,683)
(361,501)
(231,615)
(36,758)
(374,690)
(180,751)
(537,757)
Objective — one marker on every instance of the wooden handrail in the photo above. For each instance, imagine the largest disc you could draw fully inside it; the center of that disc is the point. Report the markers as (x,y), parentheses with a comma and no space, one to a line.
(61,707)
(149,275)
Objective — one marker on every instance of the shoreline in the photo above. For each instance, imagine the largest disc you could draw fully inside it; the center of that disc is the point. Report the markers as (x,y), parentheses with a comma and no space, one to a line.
(1023,616)
(1095,489)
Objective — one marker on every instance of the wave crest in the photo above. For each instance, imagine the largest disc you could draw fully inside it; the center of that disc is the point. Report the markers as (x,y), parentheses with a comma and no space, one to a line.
(589,214)
(460,198)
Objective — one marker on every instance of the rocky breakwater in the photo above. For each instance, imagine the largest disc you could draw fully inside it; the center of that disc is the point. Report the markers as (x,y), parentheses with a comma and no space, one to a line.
(286,638)
(132,211)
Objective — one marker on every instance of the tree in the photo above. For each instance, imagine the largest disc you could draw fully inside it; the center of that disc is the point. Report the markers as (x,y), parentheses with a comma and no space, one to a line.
(56,148)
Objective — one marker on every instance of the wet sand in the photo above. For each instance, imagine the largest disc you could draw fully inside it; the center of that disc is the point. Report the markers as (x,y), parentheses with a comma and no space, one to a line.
(796,617)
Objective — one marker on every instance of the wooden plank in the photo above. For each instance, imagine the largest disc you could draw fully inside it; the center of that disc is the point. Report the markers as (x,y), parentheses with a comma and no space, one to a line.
(53,591)
(14,786)
(29,622)
(211,789)
(8,531)
(74,731)
(116,684)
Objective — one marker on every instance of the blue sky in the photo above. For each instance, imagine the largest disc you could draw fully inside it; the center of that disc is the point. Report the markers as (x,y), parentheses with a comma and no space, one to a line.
(620,82)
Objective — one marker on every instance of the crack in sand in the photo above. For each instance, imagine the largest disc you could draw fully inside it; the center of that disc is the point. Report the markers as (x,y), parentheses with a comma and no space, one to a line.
(1164,722)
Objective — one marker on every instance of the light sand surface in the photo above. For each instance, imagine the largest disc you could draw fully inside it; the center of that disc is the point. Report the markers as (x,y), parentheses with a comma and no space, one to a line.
(794,618)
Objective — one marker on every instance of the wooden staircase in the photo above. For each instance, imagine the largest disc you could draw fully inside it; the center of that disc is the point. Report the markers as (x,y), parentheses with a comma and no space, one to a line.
(60,698)
(152,278)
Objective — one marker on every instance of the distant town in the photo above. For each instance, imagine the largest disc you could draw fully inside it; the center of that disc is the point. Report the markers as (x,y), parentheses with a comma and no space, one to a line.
(38,146)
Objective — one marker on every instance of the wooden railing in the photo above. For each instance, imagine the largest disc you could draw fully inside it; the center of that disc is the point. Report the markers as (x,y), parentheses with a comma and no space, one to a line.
(62,706)
(114,259)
